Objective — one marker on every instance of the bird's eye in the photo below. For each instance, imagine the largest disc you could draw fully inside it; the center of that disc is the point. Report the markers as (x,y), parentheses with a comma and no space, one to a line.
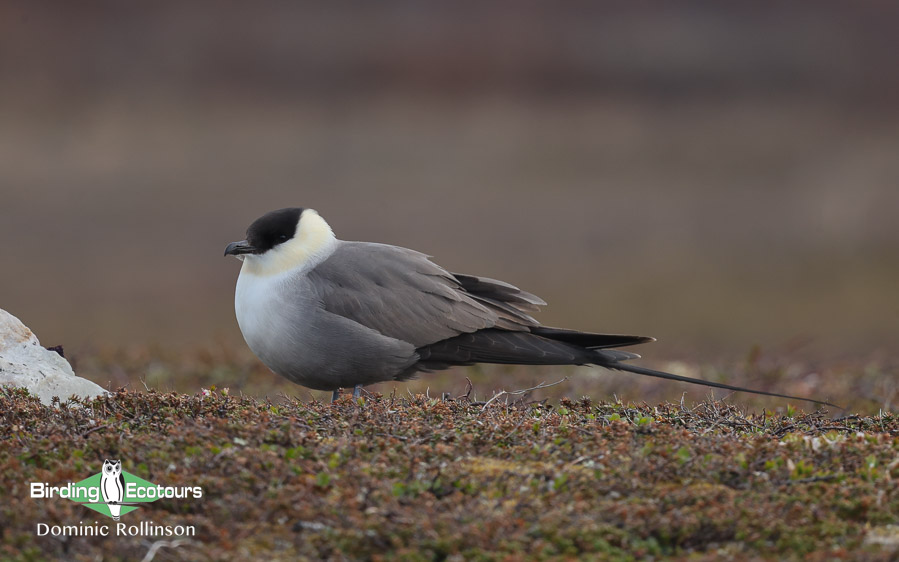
(283,237)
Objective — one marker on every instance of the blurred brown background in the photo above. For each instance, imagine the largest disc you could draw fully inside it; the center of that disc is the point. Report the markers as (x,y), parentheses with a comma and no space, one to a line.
(718,175)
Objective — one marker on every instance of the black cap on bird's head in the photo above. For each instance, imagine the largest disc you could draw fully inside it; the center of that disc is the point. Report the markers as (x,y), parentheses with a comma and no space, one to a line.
(266,232)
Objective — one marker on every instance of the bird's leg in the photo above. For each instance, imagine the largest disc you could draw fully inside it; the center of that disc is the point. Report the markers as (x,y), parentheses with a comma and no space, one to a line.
(357,391)
(335,395)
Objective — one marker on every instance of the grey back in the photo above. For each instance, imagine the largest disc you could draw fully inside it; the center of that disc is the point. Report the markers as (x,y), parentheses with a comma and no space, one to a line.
(401,294)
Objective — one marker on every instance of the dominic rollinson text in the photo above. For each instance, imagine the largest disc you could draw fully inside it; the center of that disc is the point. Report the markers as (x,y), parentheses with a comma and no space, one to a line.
(142,529)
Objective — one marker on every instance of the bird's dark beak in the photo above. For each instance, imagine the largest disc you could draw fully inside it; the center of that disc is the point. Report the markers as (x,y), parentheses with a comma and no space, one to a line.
(239,248)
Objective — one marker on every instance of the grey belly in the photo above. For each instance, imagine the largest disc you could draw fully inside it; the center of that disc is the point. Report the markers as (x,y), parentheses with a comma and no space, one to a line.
(326,351)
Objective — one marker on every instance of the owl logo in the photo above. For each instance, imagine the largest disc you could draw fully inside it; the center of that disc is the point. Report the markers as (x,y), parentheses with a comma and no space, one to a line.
(112,485)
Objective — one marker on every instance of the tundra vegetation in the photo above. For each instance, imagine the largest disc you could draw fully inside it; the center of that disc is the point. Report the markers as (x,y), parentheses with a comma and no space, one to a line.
(419,476)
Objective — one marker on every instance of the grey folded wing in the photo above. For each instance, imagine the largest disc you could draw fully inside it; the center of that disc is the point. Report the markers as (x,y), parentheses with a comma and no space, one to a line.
(401,294)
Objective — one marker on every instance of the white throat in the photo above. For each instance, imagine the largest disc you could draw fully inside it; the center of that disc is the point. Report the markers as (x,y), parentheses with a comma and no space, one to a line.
(311,244)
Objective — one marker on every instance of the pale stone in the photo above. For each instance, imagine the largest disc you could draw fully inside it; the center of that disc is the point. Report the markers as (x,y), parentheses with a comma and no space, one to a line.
(44,373)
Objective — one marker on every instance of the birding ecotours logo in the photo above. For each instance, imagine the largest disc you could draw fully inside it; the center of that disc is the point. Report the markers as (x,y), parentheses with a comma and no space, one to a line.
(113,491)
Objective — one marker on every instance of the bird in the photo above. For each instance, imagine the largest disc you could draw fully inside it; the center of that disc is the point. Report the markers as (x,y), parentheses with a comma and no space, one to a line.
(331,314)
(112,484)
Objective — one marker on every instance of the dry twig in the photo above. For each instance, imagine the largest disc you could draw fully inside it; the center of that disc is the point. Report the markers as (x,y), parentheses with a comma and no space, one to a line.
(520,392)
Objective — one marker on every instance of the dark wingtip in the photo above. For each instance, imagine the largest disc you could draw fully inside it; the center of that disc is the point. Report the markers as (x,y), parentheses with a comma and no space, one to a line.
(589,340)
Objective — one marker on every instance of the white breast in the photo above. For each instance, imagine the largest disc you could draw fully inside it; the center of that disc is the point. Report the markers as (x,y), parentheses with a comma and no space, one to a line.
(256,304)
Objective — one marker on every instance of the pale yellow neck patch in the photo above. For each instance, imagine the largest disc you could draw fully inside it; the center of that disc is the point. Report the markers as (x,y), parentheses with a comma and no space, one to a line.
(312,243)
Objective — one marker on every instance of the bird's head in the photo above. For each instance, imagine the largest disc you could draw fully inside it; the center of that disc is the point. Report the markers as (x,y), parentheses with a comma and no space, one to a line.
(284,240)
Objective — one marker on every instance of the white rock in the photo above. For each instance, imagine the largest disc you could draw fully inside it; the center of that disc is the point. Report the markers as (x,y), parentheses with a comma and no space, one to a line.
(45,374)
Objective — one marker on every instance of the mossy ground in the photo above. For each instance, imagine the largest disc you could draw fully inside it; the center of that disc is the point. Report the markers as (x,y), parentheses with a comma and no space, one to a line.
(419,478)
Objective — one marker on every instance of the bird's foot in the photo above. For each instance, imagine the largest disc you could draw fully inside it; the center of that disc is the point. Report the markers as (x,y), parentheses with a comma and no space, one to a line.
(357,392)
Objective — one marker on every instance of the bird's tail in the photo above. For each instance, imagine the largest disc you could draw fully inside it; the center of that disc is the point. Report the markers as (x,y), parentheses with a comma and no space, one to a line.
(553,346)
(618,365)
